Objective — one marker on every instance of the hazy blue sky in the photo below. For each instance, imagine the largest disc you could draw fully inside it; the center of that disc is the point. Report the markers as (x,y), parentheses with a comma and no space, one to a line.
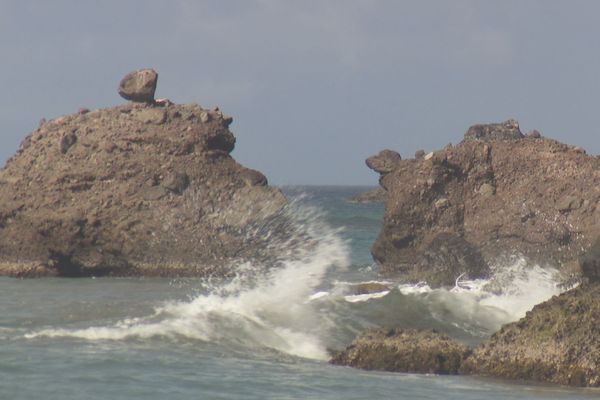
(314,87)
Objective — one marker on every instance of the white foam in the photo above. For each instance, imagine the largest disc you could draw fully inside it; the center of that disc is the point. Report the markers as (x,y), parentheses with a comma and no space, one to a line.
(486,304)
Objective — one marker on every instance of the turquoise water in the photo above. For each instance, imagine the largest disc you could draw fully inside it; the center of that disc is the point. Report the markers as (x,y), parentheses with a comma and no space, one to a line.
(137,338)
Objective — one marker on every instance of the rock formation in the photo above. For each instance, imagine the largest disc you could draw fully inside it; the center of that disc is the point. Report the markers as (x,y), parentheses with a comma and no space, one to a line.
(557,341)
(496,194)
(138,189)
(402,350)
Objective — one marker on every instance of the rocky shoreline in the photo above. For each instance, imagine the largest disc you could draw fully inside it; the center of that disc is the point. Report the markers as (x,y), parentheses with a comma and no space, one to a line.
(149,188)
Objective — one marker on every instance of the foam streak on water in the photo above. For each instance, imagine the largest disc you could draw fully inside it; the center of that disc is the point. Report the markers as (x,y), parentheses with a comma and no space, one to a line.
(268,311)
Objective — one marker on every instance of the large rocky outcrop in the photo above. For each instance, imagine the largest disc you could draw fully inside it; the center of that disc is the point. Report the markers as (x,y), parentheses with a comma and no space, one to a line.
(138,189)
(557,341)
(404,350)
(498,193)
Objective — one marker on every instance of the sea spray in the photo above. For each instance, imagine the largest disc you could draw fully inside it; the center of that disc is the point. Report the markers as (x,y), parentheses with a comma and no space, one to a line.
(261,307)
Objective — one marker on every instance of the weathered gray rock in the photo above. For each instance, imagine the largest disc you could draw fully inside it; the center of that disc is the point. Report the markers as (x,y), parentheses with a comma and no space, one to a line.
(419,153)
(506,130)
(403,350)
(384,162)
(139,86)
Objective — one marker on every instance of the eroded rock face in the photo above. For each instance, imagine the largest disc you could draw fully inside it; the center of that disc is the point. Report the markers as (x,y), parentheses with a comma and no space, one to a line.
(555,342)
(138,189)
(404,350)
(496,194)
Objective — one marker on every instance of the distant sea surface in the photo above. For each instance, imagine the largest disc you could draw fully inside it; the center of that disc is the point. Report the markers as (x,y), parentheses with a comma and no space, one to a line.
(255,337)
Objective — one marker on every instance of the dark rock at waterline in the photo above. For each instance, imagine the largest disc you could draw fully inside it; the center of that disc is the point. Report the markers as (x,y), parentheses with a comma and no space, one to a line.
(138,189)
(370,196)
(369,288)
(404,350)
(501,193)
(139,86)
(558,341)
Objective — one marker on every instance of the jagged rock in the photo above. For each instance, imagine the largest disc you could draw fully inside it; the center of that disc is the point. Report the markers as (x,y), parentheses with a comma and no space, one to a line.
(535,198)
(139,86)
(403,350)
(535,134)
(384,162)
(138,189)
(508,129)
(419,153)
(555,342)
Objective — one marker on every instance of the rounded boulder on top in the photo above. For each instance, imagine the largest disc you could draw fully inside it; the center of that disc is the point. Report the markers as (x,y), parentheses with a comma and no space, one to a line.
(139,86)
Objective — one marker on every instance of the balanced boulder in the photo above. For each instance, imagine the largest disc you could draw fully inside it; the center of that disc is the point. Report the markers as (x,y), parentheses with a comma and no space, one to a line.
(139,86)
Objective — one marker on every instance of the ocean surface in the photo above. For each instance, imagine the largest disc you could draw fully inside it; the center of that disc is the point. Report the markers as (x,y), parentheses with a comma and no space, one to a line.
(260,335)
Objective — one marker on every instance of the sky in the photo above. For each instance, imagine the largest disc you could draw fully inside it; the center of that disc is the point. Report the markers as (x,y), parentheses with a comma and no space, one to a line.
(314,87)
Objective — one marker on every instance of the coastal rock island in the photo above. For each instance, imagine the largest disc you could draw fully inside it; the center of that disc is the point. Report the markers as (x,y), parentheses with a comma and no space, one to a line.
(497,194)
(144,188)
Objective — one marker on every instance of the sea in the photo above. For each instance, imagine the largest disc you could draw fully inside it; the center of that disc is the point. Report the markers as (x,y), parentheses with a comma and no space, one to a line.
(266,333)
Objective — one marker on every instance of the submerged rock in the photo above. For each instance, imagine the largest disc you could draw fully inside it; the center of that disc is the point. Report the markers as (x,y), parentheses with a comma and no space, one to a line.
(494,195)
(404,350)
(369,288)
(558,341)
(138,189)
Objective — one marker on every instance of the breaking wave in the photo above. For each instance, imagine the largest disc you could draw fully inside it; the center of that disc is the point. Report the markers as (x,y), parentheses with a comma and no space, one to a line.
(306,304)
(268,311)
